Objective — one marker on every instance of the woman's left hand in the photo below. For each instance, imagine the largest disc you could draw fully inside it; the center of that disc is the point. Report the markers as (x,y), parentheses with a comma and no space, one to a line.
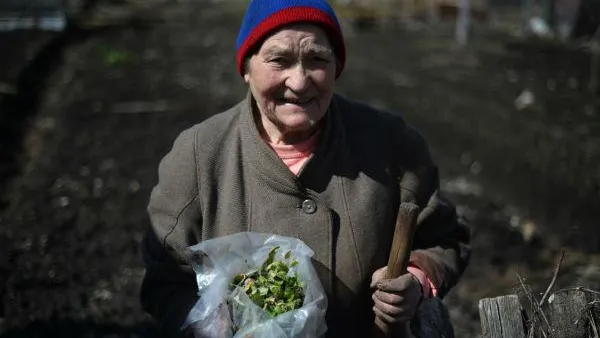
(396,300)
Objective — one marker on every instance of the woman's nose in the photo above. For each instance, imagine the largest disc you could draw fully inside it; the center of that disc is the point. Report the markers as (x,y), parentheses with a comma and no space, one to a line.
(298,79)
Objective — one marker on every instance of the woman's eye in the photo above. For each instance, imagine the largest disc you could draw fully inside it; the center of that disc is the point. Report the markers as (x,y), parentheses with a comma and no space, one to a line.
(320,59)
(279,60)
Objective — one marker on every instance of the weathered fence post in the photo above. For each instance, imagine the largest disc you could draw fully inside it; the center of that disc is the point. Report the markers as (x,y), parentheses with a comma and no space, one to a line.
(567,314)
(501,317)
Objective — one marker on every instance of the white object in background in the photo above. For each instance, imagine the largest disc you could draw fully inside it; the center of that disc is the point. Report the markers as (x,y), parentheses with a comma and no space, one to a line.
(52,21)
(539,27)
(525,100)
(462,22)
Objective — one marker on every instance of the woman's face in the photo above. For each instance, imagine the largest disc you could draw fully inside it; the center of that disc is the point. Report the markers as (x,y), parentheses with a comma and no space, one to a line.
(292,77)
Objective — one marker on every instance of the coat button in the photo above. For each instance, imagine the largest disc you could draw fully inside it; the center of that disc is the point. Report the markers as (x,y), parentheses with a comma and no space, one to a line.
(309,206)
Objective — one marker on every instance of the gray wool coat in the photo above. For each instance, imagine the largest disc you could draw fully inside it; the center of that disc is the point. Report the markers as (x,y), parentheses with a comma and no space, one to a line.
(220,178)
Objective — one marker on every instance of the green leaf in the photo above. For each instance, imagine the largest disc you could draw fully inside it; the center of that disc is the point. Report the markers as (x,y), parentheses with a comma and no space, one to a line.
(271,256)
(272,287)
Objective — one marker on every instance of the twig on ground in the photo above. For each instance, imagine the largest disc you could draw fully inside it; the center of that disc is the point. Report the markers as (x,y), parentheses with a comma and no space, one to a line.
(538,314)
(579,288)
(531,332)
(556,270)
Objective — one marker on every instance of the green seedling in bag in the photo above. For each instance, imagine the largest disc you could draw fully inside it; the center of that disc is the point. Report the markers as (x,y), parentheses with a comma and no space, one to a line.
(272,286)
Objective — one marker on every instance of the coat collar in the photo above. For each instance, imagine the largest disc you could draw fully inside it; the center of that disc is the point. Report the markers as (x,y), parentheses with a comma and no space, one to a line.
(318,170)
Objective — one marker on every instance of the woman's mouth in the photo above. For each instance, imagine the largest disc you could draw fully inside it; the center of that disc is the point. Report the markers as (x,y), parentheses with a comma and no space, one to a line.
(297,102)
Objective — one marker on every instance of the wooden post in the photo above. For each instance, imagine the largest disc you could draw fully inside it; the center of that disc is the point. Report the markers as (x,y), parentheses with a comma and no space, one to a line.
(501,317)
(570,313)
(567,314)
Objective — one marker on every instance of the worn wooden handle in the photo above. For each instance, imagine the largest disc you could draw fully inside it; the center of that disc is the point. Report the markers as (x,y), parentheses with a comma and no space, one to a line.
(406,225)
(404,232)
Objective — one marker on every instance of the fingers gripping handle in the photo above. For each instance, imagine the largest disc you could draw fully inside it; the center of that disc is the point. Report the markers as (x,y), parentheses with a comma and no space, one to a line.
(404,233)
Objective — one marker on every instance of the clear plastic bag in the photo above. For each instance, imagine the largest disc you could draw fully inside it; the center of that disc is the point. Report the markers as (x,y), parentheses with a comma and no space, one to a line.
(217,261)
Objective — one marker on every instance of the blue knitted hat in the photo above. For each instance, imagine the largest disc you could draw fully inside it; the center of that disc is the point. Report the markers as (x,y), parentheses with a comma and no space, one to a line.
(265,16)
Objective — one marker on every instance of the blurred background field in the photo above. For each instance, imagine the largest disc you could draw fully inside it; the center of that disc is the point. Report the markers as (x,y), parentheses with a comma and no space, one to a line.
(92,94)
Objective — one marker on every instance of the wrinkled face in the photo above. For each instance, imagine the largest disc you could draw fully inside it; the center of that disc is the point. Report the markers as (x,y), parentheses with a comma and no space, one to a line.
(292,77)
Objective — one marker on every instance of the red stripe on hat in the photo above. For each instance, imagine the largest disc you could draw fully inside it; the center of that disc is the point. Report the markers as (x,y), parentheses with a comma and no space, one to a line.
(295,15)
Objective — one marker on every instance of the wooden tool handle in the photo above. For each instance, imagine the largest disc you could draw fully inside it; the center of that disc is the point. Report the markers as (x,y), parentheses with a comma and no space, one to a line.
(404,232)
(406,225)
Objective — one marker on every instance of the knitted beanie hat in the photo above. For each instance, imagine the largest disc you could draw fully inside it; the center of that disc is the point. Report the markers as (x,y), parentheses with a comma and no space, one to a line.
(265,16)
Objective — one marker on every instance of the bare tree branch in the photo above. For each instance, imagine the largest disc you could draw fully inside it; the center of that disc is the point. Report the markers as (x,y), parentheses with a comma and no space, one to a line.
(556,270)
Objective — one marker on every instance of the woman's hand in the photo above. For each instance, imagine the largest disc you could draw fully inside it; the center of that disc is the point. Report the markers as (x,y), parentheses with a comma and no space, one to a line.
(396,300)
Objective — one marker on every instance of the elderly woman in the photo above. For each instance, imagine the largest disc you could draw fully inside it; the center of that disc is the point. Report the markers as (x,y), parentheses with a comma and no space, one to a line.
(295,159)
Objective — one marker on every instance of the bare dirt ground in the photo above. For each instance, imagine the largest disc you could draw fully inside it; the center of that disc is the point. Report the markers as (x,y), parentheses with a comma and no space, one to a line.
(93,116)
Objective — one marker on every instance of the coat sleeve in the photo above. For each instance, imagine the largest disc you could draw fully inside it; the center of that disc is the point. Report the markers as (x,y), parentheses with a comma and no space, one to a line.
(441,244)
(169,289)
